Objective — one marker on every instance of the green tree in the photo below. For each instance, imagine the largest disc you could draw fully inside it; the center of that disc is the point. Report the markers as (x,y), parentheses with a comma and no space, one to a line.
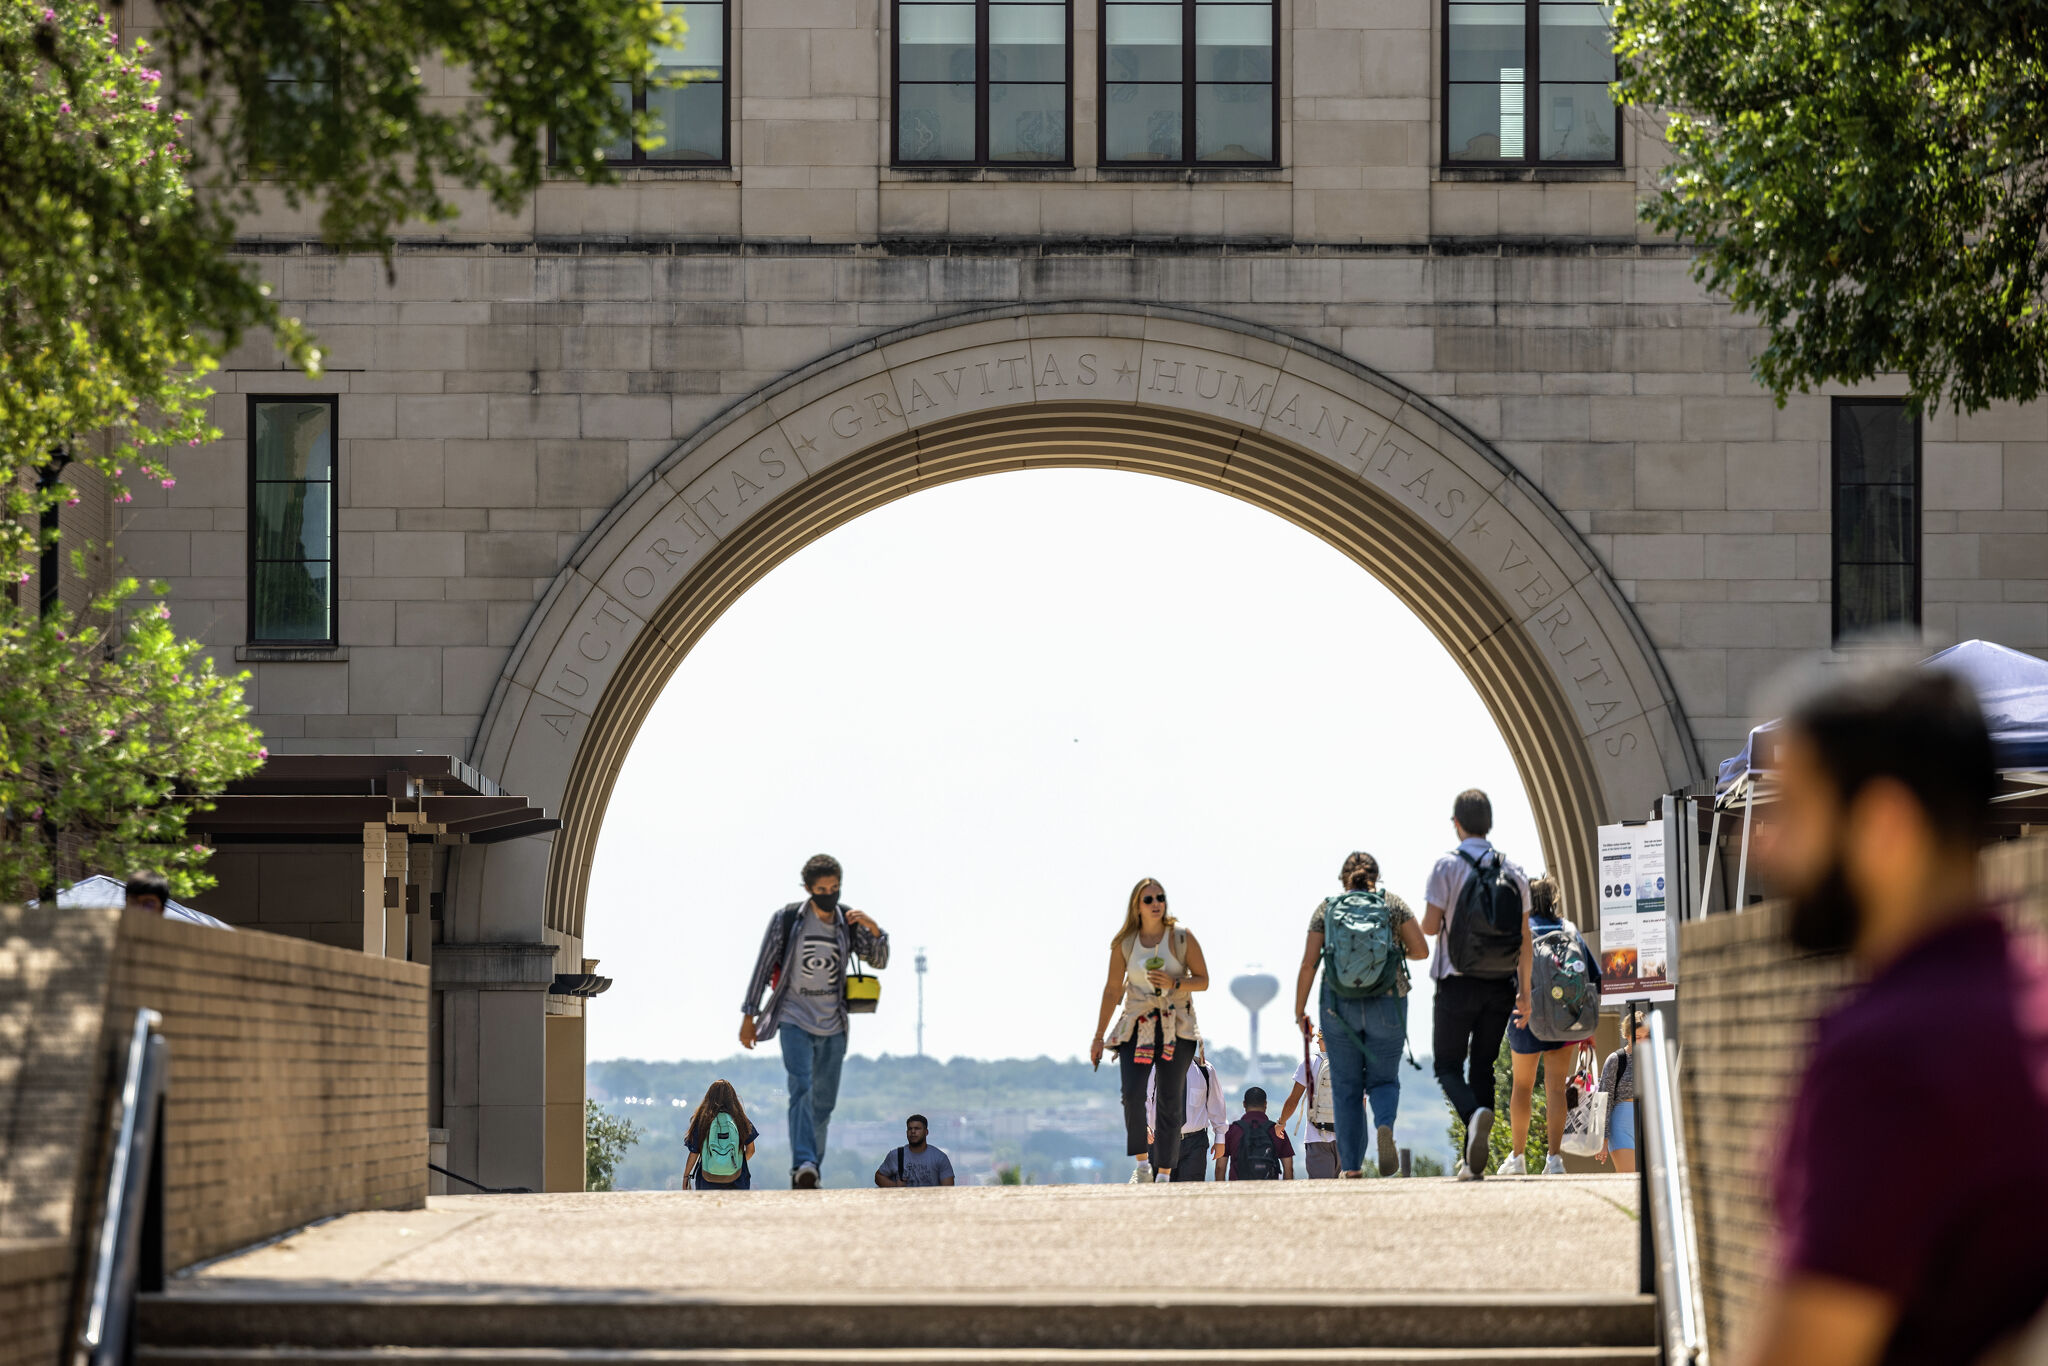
(103,718)
(119,294)
(1867,177)
(606,1137)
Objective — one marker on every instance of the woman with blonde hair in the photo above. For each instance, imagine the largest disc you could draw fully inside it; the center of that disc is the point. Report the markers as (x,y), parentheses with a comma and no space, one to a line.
(1155,966)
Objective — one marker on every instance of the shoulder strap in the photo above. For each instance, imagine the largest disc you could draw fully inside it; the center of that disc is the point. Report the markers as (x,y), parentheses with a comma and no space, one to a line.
(1180,944)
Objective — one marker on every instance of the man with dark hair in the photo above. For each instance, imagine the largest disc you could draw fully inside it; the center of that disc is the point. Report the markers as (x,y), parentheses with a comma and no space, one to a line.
(1472,1006)
(1255,1148)
(917,1162)
(148,892)
(1884,784)
(802,968)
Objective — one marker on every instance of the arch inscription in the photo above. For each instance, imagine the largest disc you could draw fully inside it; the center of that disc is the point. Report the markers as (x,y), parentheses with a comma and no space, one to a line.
(1502,580)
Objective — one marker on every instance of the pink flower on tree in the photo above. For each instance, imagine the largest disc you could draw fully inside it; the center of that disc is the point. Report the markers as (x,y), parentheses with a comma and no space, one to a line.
(170,483)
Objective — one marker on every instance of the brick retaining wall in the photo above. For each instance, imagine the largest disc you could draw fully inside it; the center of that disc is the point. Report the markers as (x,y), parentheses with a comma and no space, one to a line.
(1747,1010)
(298,1090)
(298,1079)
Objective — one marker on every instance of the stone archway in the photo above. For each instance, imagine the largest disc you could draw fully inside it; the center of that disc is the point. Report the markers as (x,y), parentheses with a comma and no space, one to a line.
(1465,541)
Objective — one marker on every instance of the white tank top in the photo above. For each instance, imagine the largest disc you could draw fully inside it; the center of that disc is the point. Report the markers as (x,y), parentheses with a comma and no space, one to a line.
(1135,970)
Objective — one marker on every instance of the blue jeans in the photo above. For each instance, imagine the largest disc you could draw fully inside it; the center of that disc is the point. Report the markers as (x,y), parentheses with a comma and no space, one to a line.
(1355,1076)
(813,1062)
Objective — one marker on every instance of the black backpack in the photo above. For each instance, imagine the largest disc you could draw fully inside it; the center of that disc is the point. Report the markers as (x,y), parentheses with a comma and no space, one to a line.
(1258,1156)
(1486,924)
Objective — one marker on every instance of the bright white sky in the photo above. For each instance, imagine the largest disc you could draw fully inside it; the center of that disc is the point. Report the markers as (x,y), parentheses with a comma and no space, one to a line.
(1002,702)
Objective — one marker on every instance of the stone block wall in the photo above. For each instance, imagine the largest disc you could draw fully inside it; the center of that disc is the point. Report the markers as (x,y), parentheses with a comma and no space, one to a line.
(496,402)
(1748,1008)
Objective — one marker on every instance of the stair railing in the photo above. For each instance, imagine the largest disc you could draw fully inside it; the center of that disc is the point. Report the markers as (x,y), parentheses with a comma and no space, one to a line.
(128,1253)
(1679,1302)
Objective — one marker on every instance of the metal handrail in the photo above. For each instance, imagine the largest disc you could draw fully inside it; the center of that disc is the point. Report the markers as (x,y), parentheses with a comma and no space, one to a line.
(132,1212)
(1671,1222)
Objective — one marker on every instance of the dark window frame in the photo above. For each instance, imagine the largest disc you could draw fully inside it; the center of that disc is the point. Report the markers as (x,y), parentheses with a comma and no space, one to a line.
(980,160)
(1188,86)
(1532,102)
(639,158)
(1835,486)
(333,561)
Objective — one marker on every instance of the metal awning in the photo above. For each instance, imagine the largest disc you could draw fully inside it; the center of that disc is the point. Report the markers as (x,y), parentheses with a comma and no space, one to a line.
(329,798)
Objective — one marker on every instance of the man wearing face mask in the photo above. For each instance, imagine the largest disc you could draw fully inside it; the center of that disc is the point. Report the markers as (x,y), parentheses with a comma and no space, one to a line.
(802,967)
(1885,782)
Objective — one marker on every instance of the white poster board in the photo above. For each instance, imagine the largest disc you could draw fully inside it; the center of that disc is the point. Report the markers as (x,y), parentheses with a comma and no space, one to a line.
(1638,915)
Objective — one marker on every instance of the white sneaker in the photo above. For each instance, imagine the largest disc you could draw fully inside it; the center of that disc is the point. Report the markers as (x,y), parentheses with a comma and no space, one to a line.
(1159,1177)
(1465,1173)
(1553,1165)
(1514,1164)
(1143,1175)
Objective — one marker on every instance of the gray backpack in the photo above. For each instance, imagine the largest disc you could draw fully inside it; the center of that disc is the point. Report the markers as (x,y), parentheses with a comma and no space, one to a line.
(1564,986)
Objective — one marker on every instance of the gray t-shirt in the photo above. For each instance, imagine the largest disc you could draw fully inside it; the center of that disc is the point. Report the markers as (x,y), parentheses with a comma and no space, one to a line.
(816,1003)
(1446,880)
(927,1168)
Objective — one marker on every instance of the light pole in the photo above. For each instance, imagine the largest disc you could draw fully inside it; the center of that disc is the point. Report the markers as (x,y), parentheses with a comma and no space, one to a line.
(1253,990)
(920,1003)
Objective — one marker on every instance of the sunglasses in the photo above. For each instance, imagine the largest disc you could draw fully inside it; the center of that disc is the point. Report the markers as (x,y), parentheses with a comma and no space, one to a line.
(1161,899)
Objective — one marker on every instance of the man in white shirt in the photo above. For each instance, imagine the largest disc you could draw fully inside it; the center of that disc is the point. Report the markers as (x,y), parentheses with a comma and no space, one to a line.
(1472,1010)
(1319,1123)
(1205,1113)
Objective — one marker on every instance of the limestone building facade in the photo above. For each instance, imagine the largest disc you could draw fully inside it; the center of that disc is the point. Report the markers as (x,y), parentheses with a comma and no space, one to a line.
(1373,264)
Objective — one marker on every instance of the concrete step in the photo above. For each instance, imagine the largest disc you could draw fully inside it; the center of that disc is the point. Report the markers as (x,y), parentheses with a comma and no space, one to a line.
(495,1323)
(507,1356)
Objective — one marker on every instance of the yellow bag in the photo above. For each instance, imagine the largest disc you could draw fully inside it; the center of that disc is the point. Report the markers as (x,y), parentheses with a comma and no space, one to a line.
(863,993)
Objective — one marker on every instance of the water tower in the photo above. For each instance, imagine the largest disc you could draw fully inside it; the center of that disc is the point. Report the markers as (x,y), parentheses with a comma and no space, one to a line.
(1254,990)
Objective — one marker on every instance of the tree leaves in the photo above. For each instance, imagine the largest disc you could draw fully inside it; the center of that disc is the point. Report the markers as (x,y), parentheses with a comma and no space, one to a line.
(1867,177)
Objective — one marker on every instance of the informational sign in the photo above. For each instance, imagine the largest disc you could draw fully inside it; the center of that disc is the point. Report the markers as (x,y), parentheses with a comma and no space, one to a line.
(1638,915)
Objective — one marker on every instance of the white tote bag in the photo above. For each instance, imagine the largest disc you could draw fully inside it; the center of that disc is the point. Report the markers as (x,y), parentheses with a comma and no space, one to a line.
(1585,1124)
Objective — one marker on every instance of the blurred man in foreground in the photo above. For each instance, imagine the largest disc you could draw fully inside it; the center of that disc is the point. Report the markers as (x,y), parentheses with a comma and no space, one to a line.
(1912,1188)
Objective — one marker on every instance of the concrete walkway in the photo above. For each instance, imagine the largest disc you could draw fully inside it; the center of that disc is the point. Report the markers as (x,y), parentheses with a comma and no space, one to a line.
(1574,1234)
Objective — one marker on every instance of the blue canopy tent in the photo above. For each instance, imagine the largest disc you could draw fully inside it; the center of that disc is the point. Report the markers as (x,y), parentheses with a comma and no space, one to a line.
(2011,686)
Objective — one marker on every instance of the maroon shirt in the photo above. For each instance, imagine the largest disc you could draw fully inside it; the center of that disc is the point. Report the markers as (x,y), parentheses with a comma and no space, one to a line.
(1917,1159)
(1281,1146)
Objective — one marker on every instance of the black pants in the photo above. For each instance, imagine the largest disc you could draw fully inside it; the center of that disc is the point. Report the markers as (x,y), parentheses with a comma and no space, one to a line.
(1193,1162)
(1472,1016)
(1171,1107)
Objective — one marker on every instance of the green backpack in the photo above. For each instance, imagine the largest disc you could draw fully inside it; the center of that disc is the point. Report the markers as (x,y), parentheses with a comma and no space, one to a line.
(1361,951)
(724,1155)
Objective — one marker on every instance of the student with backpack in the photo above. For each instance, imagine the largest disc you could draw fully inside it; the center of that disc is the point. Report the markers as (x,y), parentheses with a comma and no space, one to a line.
(917,1162)
(720,1140)
(1204,1118)
(1558,1009)
(1155,967)
(1319,1120)
(1478,910)
(1361,940)
(1256,1148)
(802,968)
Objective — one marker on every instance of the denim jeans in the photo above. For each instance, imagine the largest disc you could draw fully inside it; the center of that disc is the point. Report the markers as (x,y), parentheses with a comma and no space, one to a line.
(813,1062)
(1382,1021)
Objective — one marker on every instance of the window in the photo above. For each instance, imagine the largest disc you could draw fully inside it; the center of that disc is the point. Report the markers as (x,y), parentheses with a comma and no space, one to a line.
(1876,515)
(291,521)
(1204,65)
(1526,84)
(692,115)
(982,82)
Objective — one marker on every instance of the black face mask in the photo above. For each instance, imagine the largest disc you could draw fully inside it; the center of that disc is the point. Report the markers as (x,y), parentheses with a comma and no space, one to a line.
(827,902)
(1825,917)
